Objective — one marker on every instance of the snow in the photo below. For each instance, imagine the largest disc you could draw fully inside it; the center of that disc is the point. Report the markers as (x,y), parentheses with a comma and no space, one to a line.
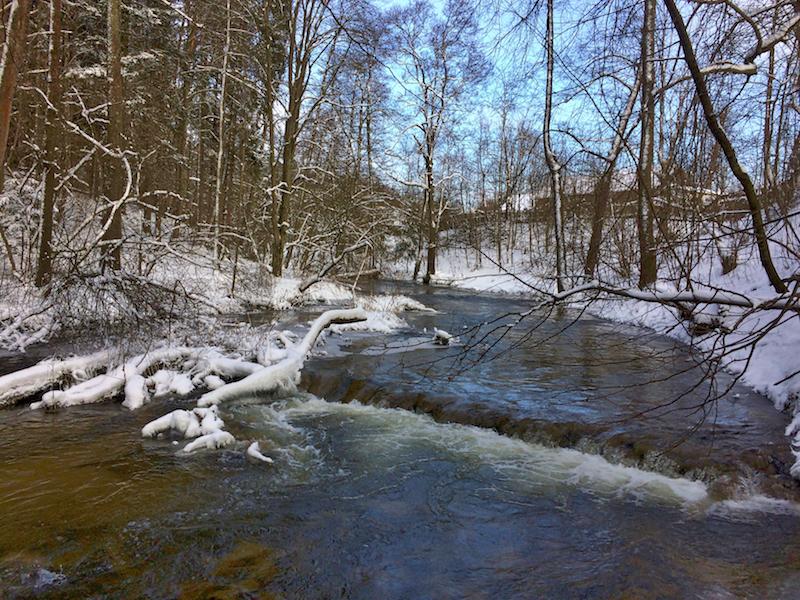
(26,382)
(391,303)
(136,394)
(254,452)
(107,385)
(284,293)
(213,382)
(283,373)
(181,384)
(210,441)
(441,337)
(161,382)
(376,322)
(189,423)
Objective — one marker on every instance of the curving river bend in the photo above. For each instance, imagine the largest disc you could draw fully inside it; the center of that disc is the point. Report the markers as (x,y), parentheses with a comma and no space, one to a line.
(528,473)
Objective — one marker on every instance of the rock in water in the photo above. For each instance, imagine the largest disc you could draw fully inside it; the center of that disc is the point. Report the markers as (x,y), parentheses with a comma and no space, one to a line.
(441,337)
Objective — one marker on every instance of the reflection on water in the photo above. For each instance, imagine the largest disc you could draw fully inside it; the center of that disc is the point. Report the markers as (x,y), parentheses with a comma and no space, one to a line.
(362,502)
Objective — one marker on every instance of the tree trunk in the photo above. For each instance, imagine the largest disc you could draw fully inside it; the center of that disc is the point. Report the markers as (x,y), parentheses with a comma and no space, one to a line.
(602,191)
(727,148)
(116,116)
(285,193)
(552,164)
(602,198)
(768,108)
(53,133)
(299,62)
(221,132)
(13,56)
(430,221)
(648,269)
(187,81)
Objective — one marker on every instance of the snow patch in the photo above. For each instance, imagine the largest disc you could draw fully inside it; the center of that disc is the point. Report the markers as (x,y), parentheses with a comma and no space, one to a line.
(210,441)
(254,452)
(390,303)
(26,382)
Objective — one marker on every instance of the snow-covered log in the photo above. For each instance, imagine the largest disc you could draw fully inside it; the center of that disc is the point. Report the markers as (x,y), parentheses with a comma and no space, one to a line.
(210,441)
(111,383)
(204,424)
(20,384)
(216,365)
(189,423)
(284,372)
(391,303)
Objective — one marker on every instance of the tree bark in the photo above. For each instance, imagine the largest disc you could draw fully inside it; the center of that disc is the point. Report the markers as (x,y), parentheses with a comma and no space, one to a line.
(116,117)
(53,133)
(221,133)
(13,56)
(648,269)
(602,191)
(430,221)
(768,108)
(187,81)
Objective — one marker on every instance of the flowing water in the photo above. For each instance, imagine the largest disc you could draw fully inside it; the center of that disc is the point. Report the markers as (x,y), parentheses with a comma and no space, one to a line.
(522,475)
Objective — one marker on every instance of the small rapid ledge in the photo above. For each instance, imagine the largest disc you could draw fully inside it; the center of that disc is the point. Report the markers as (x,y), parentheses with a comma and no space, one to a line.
(759,470)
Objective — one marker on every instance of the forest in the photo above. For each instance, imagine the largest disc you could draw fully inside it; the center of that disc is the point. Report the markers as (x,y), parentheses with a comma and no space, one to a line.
(168,166)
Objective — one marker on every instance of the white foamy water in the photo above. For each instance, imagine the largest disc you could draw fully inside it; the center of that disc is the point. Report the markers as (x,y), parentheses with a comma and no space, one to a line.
(383,436)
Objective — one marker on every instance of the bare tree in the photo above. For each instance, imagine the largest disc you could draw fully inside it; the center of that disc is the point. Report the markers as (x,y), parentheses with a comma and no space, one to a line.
(13,56)
(310,35)
(52,135)
(112,236)
(648,269)
(221,129)
(712,119)
(440,59)
(552,162)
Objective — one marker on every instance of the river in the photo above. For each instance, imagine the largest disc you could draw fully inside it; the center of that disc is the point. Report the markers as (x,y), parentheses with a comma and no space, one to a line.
(548,468)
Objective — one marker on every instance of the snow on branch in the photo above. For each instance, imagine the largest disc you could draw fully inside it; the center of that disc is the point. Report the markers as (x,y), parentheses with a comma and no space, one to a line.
(128,376)
(328,267)
(284,372)
(204,424)
(788,302)
(772,40)
(21,384)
